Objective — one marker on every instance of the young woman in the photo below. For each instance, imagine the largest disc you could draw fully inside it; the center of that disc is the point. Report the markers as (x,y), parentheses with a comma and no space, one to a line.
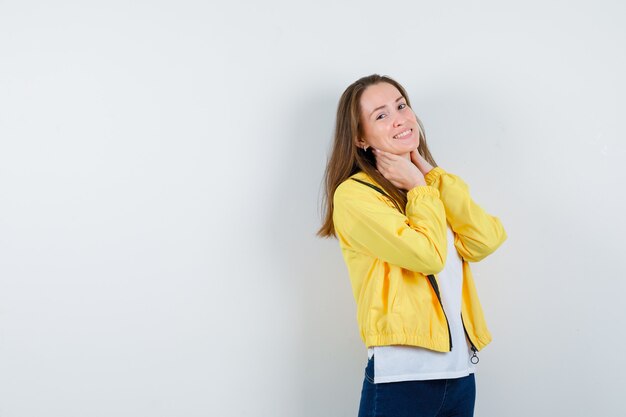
(407,230)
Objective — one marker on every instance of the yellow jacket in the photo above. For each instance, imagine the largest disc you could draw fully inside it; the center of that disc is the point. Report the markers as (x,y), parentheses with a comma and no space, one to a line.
(390,256)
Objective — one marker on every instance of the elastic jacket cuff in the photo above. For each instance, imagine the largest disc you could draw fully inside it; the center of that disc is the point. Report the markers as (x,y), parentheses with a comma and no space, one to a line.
(433,175)
(421,190)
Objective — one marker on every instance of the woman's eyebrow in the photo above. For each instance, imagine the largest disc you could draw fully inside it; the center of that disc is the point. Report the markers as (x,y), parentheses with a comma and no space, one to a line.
(384,105)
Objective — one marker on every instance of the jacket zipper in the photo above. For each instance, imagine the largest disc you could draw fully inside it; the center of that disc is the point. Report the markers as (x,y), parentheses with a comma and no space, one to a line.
(474,359)
(433,283)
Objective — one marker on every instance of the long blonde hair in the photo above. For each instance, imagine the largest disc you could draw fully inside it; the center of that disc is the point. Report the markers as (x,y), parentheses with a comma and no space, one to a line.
(347,159)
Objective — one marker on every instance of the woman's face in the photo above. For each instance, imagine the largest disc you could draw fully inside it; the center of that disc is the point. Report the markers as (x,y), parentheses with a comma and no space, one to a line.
(388,122)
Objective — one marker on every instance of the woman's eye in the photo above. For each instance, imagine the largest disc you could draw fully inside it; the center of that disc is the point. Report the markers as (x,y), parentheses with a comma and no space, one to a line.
(380,116)
(401,106)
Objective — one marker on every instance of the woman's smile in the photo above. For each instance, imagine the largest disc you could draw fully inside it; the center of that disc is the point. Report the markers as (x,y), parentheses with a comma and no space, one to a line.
(406,134)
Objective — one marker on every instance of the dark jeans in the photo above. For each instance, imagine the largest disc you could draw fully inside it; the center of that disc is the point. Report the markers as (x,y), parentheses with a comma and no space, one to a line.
(430,398)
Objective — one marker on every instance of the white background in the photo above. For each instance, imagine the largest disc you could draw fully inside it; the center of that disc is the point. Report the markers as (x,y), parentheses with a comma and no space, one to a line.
(160,176)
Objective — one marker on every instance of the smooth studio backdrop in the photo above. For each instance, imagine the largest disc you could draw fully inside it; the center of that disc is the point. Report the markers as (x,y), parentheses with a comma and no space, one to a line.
(160,178)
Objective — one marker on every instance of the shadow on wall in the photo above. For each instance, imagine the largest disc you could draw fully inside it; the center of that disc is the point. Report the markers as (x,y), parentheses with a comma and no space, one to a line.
(328,355)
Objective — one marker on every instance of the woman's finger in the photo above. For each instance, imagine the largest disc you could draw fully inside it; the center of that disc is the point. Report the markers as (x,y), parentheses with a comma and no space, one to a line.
(383,161)
(384,157)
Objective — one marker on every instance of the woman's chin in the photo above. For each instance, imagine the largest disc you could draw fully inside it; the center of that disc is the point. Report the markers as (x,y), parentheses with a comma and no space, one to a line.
(401,149)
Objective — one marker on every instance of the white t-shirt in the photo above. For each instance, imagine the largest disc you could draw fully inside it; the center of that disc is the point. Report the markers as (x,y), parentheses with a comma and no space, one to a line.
(411,363)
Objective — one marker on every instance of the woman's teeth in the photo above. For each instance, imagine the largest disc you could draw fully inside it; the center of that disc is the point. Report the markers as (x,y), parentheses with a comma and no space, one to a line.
(403,134)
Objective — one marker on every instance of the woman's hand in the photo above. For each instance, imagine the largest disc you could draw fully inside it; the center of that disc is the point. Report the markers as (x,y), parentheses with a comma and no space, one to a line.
(421,163)
(398,170)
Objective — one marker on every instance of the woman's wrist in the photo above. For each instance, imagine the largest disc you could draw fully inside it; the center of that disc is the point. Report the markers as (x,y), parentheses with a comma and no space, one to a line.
(417,183)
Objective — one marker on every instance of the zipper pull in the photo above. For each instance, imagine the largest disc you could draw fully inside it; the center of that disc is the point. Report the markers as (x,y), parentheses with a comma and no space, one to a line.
(474,359)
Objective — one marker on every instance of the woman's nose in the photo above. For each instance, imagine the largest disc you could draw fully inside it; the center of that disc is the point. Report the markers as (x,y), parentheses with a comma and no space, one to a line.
(399,120)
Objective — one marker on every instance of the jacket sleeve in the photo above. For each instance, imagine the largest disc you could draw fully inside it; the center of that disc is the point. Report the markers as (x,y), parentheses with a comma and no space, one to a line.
(477,233)
(417,241)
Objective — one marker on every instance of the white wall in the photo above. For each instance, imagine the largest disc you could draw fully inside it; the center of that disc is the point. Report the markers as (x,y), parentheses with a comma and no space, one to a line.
(160,172)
